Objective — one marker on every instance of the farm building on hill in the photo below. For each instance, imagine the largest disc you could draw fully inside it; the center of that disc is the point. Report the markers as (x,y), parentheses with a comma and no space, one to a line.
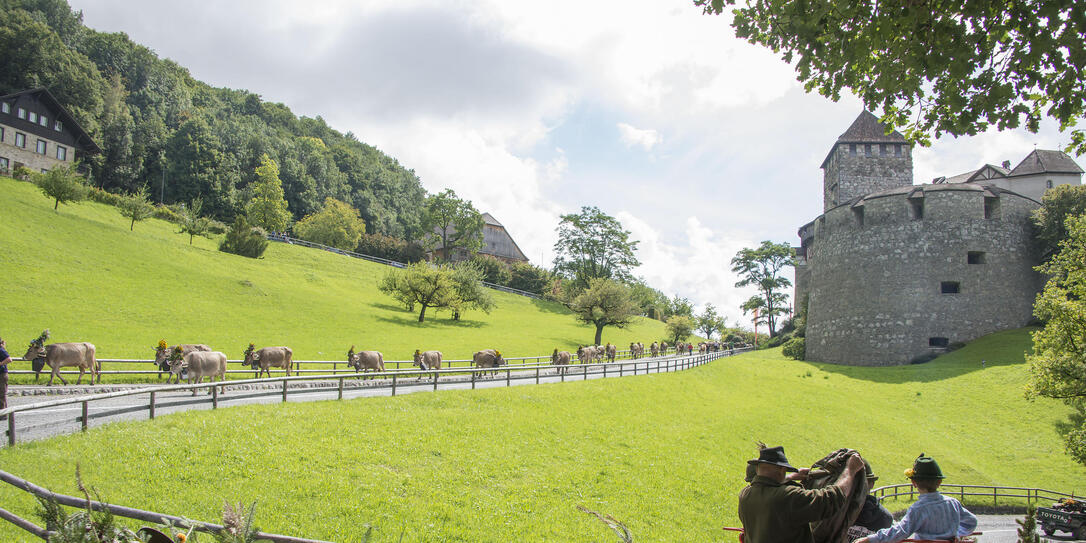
(893,273)
(38,133)
(496,242)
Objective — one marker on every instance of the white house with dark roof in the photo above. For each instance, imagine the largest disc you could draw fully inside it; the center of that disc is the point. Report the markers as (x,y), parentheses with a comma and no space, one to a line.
(1039,171)
(37,132)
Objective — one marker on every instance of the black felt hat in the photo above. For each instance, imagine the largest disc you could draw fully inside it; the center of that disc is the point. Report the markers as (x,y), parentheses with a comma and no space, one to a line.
(774,456)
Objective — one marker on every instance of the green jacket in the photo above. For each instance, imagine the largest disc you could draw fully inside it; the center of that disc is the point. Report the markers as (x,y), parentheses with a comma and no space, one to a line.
(773,512)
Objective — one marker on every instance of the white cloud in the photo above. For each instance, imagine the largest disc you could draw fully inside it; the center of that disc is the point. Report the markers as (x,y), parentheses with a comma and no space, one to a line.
(645,138)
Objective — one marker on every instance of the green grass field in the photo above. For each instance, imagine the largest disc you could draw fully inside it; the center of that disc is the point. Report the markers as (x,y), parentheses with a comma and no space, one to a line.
(81,273)
(663,453)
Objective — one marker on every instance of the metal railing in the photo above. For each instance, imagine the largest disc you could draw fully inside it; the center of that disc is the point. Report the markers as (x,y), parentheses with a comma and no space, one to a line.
(390,380)
(387,262)
(961,491)
(337,366)
(117,510)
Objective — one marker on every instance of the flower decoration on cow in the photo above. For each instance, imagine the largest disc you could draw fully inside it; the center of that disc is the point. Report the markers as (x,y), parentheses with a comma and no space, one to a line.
(162,345)
(40,342)
(177,354)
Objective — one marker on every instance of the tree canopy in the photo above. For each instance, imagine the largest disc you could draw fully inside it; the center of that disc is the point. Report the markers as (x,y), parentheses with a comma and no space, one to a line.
(593,245)
(61,184)
(1058,361)
(337,225)
(762,268)
(453,223)
(136,207)
(604,303)
(1050,220)
(679,327)
(267,208)
(955,67)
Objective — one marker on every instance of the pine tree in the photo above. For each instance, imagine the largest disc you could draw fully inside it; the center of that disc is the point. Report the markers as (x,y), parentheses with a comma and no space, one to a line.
(243,240)
(1027,527)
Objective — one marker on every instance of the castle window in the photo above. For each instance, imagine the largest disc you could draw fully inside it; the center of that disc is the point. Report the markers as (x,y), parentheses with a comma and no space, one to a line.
(940,342)
(916,205)
(858,211)
(1048,183)
(852,148)
(975,257)
(991,208)
(867,149)
(897,150)
(883,150)
(950,287)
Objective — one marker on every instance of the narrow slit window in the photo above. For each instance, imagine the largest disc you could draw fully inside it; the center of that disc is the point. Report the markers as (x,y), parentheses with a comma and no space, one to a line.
(916,206)
(940,342)
(859,213)
(975,257)
(991,208)
(950,287)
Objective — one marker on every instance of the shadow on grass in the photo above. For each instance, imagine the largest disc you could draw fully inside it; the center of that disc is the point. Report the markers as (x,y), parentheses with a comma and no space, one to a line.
(1005,348)
(548,306)
(411,320)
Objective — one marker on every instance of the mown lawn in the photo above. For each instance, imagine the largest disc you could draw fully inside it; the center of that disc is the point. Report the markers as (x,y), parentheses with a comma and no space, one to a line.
(80,272)
(663,453)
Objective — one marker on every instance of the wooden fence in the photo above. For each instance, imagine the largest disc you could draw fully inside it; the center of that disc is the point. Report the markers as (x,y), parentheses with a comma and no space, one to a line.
(389,380)
(961,491)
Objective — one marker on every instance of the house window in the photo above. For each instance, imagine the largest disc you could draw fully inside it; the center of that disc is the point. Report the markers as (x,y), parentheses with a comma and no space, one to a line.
(991,208)
(5,107)
(44,121)
(852,148)
(916,206)
(22,113)
(58,126)
(883,150)
(975,257)
(897,150)
(950,287)
(867,149)
(62,152)
(33,117)
(939,342)
(20,140)
(3,164)
(41,147)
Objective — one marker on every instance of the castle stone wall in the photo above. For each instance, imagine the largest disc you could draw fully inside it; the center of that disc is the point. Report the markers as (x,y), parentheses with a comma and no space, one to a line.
(851,175)
(874,273)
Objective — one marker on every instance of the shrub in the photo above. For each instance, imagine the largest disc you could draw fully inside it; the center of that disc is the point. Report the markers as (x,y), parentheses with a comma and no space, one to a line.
(244,240)
(390,248)
(494,270)
(22,173)
(166,213)
(95,194)
(529,278)
(796,349)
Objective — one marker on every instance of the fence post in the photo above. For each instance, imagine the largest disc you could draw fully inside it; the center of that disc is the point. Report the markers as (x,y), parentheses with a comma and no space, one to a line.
(11,429)
(151,408)
(284,391)
(214,397)
(586,373)
(83,423)
(537,375)
(393,384)
(340,388)
(620,368)
(435,380)
(508,375)
(605,371)
(473,380)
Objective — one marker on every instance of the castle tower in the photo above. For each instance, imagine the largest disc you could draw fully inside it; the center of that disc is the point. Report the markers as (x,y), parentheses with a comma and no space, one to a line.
(864,160)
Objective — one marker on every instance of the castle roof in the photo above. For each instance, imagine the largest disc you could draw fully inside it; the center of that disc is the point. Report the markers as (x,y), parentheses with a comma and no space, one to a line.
(866,129)
(1043,161)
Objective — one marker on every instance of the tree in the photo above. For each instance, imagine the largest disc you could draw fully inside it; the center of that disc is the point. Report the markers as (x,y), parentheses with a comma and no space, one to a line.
(453,222)
(956,67)
(762,268)
(192,222)
(467,280)
(337,225)
(268,208)
(1058,362)
(678,305)
(604,303)
(709,321)
(593,245)
(679,327)
(61,184)
(494,271)
(1049,220)
(242,239)
(1027,527)
(652,302)
(419,283)
(136,207)
(529,278)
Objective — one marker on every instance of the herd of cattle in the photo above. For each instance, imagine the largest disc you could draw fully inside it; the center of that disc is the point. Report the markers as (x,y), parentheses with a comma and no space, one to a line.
(197,361)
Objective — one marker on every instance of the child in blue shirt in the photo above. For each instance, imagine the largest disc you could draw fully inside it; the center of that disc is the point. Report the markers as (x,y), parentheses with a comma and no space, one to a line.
(933,516)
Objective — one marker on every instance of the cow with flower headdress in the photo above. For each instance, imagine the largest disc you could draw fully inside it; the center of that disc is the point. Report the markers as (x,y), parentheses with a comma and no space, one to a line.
(265,358)
(61,355)
(488,358)
(162,356)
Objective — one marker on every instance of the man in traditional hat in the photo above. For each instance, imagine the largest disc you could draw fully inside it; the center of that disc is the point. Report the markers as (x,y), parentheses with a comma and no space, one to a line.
(873,516)
(933,516)
(773,509)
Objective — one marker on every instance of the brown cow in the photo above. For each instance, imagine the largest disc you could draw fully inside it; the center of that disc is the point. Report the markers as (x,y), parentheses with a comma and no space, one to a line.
(162,355)
(488,358)
(561,360)
(429,360)
(269,357)
(200,364)
(365,360)
(61,355)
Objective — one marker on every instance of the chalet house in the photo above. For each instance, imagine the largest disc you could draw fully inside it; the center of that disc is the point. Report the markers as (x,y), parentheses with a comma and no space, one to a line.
(37,132)
(496,242)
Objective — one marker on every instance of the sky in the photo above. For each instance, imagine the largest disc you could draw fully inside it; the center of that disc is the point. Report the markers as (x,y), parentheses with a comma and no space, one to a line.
(699,143)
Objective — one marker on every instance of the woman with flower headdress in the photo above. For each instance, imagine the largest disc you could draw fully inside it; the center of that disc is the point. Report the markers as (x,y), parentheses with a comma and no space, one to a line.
(933,516)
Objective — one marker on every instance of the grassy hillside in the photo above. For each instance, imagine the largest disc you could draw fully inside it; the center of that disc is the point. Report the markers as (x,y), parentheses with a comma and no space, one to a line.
(663,453)
(81,273)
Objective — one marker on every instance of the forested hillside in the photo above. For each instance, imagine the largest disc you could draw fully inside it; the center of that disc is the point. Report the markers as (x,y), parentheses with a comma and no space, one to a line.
(155,123)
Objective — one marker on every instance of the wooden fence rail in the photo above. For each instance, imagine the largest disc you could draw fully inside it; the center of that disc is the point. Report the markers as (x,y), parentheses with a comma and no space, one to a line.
(389,380)
(961,491)
(117,510)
